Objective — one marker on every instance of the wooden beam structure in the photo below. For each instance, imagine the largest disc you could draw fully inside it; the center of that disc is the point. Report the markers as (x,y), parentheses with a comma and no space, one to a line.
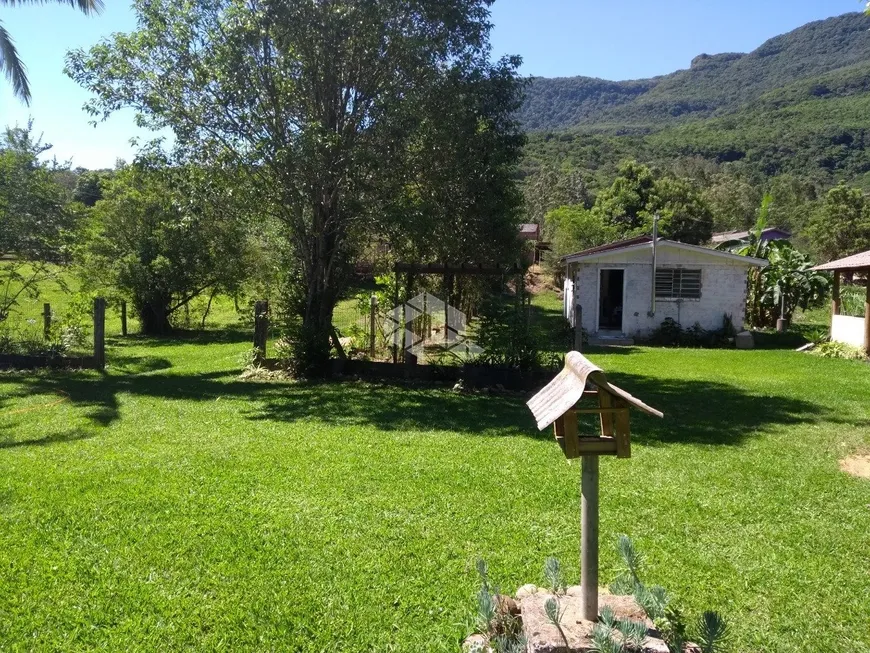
(463,268)
(867,313)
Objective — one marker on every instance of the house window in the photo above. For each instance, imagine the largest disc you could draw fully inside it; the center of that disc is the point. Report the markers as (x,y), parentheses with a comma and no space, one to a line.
(678,283)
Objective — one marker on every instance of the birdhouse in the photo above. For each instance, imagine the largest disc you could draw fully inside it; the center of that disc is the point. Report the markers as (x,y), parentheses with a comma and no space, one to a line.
(557,404)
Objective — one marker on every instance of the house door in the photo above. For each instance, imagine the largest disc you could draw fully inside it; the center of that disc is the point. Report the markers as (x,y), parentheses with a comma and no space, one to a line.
(610,294)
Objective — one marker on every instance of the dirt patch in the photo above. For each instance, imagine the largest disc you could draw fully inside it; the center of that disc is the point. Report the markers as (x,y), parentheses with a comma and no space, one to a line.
(538,281)
(857,465)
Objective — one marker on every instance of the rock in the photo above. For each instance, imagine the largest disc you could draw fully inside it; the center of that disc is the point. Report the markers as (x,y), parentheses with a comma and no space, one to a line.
(577,590)
(544,637)
(506,605)
(744,340)
(526,590)
(475,644)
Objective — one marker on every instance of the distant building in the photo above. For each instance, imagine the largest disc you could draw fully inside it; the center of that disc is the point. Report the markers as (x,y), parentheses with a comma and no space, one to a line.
(771,233)
(532,233)
(845,328)
(623,295)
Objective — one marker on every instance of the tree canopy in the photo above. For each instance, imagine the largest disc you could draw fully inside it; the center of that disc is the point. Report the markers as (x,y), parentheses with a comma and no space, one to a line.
(161,238)
(321,105)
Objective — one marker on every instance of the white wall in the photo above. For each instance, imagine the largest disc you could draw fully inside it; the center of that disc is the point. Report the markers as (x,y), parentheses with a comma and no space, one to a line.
(848,329)
(723,290)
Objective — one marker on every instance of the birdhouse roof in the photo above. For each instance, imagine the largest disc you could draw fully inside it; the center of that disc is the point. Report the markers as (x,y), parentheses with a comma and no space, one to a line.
(560,394)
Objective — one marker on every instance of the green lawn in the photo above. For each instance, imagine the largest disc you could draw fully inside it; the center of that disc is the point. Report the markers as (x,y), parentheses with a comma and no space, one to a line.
(167,505)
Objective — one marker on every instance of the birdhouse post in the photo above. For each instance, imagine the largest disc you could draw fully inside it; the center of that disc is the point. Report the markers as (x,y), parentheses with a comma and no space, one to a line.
(558,405)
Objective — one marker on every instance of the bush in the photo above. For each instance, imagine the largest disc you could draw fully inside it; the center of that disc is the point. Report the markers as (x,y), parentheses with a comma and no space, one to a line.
(839,350)
(671,334)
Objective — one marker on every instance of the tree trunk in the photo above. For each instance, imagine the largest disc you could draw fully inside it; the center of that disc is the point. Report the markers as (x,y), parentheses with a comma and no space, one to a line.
(322,269)
(154,317)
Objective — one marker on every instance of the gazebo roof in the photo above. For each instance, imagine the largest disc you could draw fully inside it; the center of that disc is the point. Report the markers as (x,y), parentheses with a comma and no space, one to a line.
(855,262)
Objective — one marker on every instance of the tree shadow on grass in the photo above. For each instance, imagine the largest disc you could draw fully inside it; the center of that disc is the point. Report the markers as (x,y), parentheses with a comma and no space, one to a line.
(51,438)
(181,337)
(714,413)
(696,412)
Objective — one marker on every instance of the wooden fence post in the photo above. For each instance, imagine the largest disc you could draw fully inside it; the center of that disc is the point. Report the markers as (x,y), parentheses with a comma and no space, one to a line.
(261,328)
(578,328)
(373,309)
(100,333)
(123,318)
(46,321)
(867,314)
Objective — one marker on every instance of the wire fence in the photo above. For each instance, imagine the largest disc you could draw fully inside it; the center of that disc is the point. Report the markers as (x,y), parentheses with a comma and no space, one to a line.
(435,333)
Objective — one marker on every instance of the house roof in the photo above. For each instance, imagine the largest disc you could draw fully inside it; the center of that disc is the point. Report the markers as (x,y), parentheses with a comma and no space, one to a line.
(766,234)
(530,231)
(645,242)
(859,261)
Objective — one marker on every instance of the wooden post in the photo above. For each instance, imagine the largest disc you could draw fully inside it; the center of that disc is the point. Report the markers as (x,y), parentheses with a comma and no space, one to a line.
(867,314)
(100,333)
(399,327)
(578,328)
(448,286)
(261,329)
(373,309)
(589,537)
(407,333)
(123,317)
(835,301)
(46,321)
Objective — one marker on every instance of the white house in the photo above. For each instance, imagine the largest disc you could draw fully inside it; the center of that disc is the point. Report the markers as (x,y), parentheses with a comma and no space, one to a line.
(613,284)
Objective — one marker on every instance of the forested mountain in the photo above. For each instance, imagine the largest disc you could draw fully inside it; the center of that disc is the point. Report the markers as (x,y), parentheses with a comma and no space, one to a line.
(798,105)
(713,85)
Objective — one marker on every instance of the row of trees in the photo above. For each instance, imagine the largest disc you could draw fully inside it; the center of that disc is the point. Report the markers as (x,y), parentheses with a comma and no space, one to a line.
(626,208)
(694,200)
(302,133)
(837,225)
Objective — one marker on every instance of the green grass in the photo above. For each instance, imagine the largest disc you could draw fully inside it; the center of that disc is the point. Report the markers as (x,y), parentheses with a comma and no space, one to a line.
(70,302)
(168,505)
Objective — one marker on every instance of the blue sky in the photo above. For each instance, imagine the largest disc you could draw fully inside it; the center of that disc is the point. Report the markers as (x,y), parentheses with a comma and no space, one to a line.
(614,40)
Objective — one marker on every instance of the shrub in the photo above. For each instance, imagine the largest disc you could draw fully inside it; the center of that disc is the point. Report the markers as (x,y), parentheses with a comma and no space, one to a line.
(839,350)
(671,334)
(710,629)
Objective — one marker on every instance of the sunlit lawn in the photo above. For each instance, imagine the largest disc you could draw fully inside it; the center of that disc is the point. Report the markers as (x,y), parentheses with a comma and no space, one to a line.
(168,505)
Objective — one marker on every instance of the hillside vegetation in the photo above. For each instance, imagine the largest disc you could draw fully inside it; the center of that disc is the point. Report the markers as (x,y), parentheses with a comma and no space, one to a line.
(798,104)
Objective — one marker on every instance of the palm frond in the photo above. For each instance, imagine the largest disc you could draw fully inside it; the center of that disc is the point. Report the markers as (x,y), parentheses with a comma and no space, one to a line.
(13,68)
(87,7)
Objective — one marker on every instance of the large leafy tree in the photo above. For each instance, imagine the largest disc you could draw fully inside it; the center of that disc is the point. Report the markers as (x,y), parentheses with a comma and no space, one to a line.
(628,202)
(637,195)
(317,101)
(685,214)
(733,201)
(552,187)
(456,189)
(841,226)
(36,226)
(162,237)
(575,228)
(10,62)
